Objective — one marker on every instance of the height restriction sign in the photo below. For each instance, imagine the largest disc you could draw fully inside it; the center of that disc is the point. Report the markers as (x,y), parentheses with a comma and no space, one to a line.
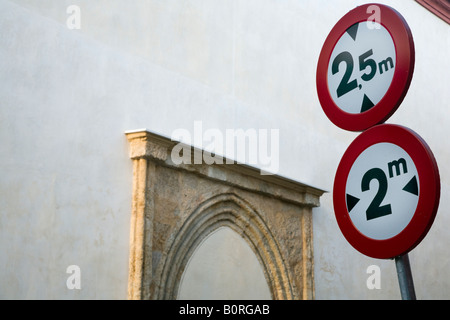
(365,67)
(386,191)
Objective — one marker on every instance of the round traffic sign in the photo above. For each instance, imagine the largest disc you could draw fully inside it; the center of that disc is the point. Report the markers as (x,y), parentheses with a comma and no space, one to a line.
(365,67)
(386,191)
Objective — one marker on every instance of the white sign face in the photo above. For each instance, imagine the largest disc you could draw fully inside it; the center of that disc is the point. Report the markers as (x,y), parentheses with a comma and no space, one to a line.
(382,191)
(361,67)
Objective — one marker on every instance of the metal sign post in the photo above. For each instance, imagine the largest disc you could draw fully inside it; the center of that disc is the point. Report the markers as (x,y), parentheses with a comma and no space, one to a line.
(405,279)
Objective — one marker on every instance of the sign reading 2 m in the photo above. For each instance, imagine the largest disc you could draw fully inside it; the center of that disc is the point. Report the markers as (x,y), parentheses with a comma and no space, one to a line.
(382,190)
(375,209)
(386,191)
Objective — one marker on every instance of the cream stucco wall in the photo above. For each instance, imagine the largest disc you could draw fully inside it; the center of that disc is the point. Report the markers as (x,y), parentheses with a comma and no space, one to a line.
(67,96)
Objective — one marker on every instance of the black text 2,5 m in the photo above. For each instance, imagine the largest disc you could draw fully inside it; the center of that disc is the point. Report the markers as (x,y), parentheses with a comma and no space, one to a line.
(370,66)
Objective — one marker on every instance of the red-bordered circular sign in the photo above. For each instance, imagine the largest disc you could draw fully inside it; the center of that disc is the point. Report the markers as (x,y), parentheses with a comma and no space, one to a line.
(365,67)
(386,191)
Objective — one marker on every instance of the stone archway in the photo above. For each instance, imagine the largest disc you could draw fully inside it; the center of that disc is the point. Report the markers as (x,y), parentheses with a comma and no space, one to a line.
(175,206)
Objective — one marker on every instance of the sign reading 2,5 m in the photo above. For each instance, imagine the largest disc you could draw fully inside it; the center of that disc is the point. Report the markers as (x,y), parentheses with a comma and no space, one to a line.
(358,89)
(365,62)
(365,67)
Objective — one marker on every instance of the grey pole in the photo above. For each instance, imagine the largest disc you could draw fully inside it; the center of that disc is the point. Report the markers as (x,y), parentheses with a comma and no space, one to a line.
(405,279)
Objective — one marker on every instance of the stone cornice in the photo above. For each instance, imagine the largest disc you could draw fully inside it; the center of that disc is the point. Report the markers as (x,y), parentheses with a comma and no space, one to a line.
(151,146)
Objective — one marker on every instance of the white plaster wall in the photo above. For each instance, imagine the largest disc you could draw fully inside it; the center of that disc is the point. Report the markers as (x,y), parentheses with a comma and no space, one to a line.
(67,96)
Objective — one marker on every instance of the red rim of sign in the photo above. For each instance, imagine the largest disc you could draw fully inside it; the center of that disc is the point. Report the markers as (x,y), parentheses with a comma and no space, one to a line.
(429,195)
(405,58)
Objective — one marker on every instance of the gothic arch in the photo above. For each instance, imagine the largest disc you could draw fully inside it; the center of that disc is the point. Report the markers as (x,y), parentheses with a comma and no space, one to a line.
(234,212)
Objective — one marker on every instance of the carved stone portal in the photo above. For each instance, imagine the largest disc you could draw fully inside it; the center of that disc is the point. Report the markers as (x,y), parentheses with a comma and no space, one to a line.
(175,206)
